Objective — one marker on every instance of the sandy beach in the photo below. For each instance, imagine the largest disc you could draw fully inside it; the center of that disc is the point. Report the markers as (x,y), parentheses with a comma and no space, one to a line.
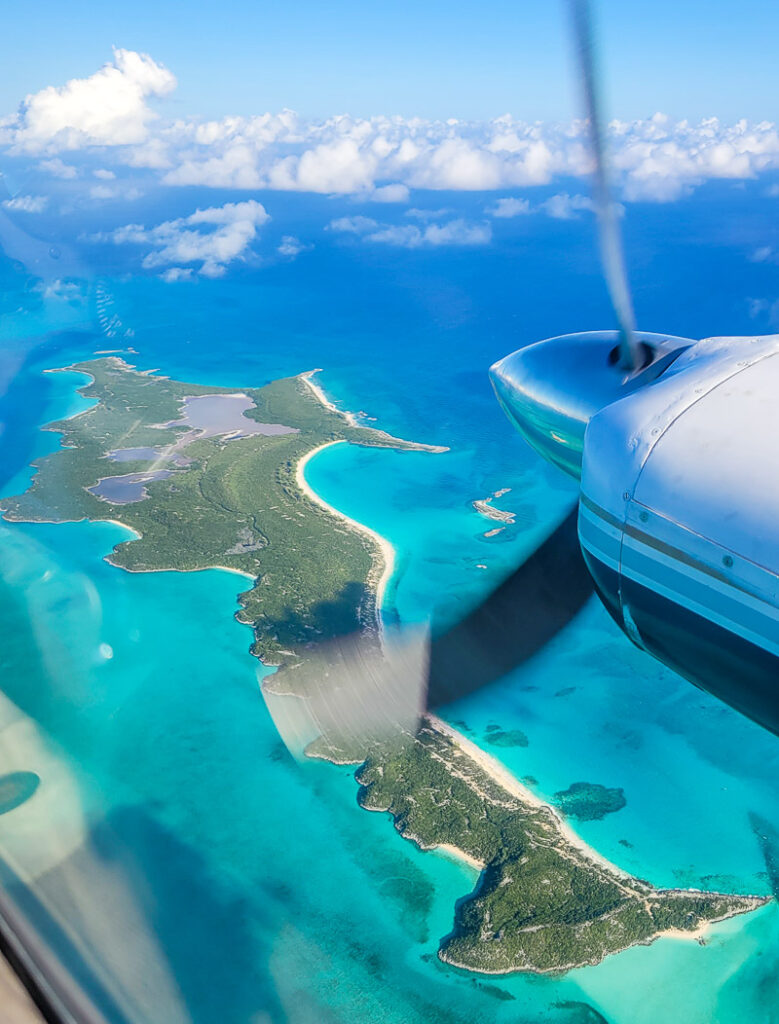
(386,550)
(457,854)
(500,774)
(308,380)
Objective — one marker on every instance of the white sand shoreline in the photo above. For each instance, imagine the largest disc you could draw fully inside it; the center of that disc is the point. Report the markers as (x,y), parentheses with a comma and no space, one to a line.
(386,550)
(500,774)
(455,853)
(308,379)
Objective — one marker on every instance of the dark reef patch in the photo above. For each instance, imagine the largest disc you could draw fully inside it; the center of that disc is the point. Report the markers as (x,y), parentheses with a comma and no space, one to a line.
(497,737)
(589,801)
(768,838)
(581,1013)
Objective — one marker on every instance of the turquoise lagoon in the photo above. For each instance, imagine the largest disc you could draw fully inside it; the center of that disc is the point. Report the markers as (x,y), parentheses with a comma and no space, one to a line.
(183,864)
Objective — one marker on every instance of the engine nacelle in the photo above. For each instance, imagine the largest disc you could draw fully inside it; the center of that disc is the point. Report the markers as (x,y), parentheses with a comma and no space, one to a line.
(679,518)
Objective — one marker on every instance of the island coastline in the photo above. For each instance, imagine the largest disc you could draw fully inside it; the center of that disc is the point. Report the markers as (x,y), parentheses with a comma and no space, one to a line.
(386,551)
(458,761)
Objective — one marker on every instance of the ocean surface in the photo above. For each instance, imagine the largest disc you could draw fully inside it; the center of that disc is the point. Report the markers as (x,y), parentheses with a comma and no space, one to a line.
(176,857)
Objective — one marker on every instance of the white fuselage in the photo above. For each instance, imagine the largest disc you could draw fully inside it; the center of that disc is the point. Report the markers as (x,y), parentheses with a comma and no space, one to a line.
(679,517)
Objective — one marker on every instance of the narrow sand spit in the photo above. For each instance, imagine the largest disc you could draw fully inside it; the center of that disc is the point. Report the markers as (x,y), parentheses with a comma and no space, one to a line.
(308,380)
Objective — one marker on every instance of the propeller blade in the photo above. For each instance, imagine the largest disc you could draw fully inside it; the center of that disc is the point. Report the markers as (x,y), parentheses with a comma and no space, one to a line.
(610,235)
(515,621)
(351,691)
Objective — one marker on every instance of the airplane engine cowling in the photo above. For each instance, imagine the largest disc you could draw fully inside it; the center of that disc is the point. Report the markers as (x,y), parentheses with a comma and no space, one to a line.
(679,518)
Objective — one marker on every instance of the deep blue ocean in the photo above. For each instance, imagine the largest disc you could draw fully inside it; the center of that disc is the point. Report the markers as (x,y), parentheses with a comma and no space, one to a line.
(182,863)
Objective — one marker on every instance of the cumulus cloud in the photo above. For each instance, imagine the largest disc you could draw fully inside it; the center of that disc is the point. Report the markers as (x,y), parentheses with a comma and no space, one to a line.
(117,191)
(566,207)
(102,192)
(64,291)
(107,109)
(509,208)
(411,236)
(236,167)
(58,168)
(418,214)
(378,158)
(339,166)
(212,238)
(173,274)
(26,204)
(352,225)
(290,246)
(394,193)
(382,158)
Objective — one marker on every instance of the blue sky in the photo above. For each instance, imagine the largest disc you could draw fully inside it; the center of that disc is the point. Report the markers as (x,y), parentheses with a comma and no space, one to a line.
(129,106)
(436,59)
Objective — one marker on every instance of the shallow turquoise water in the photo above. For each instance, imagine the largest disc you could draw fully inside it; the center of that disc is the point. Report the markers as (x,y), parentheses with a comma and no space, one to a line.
(184,769)
(262,892)
(692,771)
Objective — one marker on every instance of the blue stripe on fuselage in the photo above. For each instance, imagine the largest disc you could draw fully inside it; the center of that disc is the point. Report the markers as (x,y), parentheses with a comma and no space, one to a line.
(730,667)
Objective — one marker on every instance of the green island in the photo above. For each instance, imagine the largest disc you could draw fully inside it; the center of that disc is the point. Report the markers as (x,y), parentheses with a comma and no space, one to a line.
(211,499)
(545,901)
(212,477)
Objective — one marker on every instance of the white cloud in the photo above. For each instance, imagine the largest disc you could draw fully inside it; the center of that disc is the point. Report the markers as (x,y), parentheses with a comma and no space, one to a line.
(390,194)
(177,274)
(410,236)
(459,164)
(452,232)
(763,254)
(457,232)
(58,169)
(104,174)
(117,191)
(107,109)
(27,204)
(428,214)
(509,208)
(352,225)
(291,246)
(64,291)
(340,166)
(378,158)
(406,235)
(231,230)
(233,168)
(566,207)
(102,192)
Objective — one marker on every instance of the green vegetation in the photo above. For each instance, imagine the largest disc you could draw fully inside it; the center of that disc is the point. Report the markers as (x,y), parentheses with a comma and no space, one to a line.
(542,903)
(236,504)
(589,801)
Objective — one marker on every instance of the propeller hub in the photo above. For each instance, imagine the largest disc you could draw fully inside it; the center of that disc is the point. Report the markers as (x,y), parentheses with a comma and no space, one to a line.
(551,389)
